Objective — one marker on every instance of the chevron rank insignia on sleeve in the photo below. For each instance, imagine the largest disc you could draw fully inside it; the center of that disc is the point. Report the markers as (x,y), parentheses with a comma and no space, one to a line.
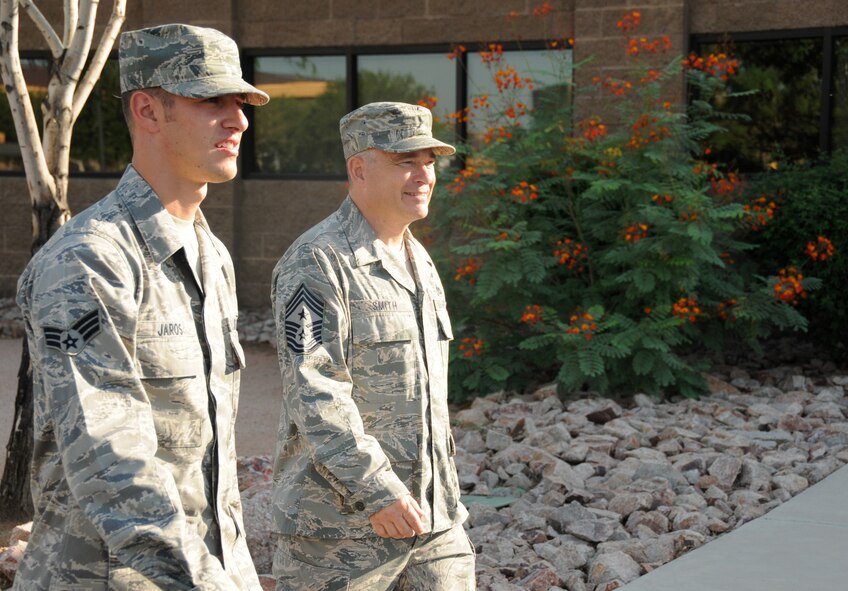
(304,319)
(73,340)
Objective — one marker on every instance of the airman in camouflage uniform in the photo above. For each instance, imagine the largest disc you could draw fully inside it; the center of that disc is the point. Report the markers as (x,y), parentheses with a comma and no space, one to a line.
(135,355)
(366,491)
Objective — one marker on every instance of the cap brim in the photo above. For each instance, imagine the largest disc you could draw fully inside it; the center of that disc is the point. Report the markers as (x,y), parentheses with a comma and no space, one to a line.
(218,86)
(413,144)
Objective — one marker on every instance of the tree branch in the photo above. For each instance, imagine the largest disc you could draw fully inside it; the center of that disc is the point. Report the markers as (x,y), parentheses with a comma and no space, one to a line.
(44,27)
(71,19)
(78,48)
(95,68)
(41,183)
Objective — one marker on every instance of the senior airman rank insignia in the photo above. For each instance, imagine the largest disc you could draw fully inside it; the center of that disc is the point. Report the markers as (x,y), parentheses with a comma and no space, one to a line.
(304,318)
(73,340)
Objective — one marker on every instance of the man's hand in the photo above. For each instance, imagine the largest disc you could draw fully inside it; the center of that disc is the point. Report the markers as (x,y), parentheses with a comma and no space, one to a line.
(401,519)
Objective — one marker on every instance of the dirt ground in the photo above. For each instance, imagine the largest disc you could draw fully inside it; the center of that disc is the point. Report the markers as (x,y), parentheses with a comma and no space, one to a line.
(259,406)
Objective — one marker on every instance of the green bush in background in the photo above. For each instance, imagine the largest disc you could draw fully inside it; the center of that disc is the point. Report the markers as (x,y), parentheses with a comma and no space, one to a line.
(812,211)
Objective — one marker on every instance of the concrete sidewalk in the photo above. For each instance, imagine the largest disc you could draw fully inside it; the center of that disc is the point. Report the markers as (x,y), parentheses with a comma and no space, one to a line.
(800,546)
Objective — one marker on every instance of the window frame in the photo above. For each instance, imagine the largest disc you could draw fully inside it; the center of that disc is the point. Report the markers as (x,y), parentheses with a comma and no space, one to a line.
(351,55)
(828,37)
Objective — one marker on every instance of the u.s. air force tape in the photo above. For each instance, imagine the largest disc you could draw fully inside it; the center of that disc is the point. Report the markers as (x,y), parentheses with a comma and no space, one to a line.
(304,319)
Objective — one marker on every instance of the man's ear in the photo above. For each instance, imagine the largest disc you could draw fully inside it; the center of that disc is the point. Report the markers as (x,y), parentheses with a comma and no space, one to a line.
(356,168)
(144,107)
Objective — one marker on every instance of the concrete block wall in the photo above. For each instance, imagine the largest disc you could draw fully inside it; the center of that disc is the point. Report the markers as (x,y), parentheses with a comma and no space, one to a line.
(258,219)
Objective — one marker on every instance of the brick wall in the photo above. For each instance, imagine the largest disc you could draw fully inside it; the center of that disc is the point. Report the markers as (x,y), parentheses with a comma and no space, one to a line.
(258,219)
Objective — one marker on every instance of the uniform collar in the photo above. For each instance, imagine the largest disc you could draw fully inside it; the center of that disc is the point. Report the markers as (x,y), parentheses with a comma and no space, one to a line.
(367,248)
(153,221)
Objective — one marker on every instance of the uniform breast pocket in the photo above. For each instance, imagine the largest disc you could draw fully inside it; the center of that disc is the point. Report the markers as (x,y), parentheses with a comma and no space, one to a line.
(384,358)
(172,373)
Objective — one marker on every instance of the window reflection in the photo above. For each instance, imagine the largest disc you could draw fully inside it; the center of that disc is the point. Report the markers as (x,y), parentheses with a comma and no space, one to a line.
(785,110)
(298,131)
(100,141)
(839,99)
(428,79)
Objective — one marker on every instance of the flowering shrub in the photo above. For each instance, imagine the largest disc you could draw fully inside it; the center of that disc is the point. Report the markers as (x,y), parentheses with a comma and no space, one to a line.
(598,253)
(808,232)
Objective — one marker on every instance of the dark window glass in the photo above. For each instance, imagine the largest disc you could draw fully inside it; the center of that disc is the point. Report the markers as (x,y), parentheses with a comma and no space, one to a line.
(298,131)
(428,79)
(100,141)
(785,112)
(548,72)
(839,98)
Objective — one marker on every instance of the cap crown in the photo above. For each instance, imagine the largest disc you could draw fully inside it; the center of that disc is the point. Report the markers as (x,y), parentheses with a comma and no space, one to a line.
(185,60)
(391,127)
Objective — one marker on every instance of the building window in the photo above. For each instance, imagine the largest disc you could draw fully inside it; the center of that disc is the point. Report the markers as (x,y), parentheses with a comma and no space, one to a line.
(297,132)
(296,135)
(839,95)
(100,141)
(792,87)
(425,77)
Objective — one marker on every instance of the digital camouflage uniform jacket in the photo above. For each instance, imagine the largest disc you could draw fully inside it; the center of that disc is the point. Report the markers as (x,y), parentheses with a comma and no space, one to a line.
(363,354)
(136,381)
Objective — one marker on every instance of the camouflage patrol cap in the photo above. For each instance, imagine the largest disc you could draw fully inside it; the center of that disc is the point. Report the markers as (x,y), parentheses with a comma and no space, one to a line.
(391,127)
(188,61)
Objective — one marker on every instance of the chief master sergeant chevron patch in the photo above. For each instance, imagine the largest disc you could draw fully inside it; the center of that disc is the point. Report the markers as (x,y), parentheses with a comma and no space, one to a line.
(304,319)
(73,340)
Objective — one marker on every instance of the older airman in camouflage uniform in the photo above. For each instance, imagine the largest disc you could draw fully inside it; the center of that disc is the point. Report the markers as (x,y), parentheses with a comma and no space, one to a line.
(131,324)
(366,491)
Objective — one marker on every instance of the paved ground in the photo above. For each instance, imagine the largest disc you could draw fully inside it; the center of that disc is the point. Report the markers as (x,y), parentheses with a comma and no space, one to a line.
(800,546)
(259,408)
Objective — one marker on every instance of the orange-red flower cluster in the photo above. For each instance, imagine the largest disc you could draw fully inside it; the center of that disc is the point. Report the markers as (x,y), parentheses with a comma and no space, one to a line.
(636,232)
(651,76)
(532,314)
(429,102)
(788,287)
(507,78)
(759,212)
(616,87)
(689,216)
(524,192)
(727,184)
(643,134)
(571,254)
(456,52)
(459,115)
(480,102)
(660,199)
(643,44)
(630,21)
(499,133)
(582,324)
(543,9)
(469,347)
(468,269)
(687,309)
(593,128)
(492,54)
(724,309)
(820,250)
(517,110)
(719,64)
(458,183)
(727,258)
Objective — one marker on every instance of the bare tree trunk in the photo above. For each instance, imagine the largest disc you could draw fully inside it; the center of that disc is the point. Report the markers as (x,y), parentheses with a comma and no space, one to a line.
(15,497)
(46,167)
